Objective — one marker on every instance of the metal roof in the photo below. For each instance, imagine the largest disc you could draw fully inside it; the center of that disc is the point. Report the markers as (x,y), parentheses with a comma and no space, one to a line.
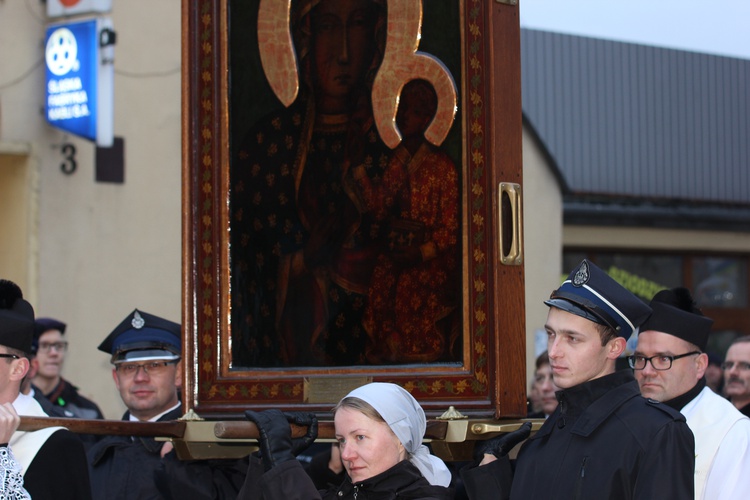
(625,121)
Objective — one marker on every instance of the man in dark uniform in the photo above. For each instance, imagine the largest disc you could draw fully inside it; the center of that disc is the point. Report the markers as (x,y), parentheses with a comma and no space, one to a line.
(604,440)
(53,460)
(146,354)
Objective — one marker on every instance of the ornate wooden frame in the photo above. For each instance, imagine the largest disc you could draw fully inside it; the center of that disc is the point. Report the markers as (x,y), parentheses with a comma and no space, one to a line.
(490,380)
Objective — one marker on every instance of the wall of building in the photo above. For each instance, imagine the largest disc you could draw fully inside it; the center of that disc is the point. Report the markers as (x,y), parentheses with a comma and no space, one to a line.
(99,250)
(542,213)
(655,239)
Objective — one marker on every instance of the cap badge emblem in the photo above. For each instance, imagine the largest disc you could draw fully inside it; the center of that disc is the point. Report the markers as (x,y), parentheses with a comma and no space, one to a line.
(582,274)
(137,321)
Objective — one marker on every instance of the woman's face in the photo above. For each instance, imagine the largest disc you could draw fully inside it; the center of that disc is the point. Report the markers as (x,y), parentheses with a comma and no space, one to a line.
(368,447)
(342,46)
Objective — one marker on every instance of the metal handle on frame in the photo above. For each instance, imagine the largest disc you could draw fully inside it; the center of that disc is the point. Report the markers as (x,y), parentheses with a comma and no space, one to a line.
(510,224)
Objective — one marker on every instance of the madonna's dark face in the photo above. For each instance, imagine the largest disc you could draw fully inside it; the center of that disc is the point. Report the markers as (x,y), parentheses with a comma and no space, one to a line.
(342,48)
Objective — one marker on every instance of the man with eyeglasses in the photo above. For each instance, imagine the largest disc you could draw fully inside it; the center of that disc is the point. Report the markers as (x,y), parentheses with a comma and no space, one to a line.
(51,348)
(146,353)
(604,440)
(51,460)
(670,363)
(736,368)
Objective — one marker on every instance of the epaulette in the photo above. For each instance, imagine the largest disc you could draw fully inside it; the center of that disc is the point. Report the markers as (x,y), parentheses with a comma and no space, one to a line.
(676,415)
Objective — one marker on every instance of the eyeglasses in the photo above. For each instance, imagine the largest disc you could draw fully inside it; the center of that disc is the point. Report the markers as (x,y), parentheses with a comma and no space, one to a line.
(8,355)
(152,368)
(742,366)
(61,346)
(659,362)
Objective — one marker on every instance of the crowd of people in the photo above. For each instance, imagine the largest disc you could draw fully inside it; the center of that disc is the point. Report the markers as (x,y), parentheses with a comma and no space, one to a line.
(675,436)
(656,429)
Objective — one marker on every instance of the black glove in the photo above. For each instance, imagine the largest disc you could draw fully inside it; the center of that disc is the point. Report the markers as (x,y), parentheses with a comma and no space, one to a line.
(501,445)
(305,419)
(274,437)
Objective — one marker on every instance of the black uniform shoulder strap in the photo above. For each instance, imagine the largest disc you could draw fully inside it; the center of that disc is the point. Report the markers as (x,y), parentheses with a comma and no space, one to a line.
(674,414)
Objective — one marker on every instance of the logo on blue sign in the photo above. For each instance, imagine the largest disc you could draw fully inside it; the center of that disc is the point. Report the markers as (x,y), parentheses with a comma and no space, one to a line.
(72,61)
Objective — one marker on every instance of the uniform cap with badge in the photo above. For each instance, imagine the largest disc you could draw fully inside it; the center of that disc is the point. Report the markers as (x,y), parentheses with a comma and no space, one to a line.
(591,293)
(143,337)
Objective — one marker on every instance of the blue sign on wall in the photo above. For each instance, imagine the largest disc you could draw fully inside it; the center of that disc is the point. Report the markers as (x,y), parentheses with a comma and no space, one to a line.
(80,79)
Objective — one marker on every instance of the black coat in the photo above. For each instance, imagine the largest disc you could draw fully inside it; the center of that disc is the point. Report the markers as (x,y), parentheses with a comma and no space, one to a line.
(289,481)
(66,396)
(604,441)
(58,471)
(125,467)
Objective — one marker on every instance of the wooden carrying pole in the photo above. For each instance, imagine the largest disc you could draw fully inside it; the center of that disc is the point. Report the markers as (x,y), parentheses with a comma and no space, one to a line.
(205,439)
(231,429)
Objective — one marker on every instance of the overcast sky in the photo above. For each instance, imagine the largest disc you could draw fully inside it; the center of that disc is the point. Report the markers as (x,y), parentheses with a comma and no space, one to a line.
(719,27)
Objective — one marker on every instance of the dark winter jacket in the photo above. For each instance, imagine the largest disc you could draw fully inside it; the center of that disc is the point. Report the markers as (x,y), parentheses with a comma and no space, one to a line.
(604,441)
(66,400)
(127,467)
(289,481)
(66,396)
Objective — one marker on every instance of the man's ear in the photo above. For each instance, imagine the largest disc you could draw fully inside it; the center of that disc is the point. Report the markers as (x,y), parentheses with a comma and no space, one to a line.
(117,380)
(178,374)
(616,347)
(701,364)
(33,368)
(19,368)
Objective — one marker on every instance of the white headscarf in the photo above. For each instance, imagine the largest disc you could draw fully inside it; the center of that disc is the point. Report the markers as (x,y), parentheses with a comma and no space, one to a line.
(406,418)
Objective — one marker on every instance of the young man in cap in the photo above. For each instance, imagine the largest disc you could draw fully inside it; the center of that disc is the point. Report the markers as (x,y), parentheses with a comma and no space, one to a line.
(145,351)
(51,347)
(736,367)
(604,440)
(53,460)
(670,363)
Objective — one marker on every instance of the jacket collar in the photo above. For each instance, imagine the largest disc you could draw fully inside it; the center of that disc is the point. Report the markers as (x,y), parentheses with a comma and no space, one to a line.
(585,406)
(679,402)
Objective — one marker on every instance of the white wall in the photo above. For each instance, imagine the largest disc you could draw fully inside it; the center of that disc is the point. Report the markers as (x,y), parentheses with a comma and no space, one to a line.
(102,249)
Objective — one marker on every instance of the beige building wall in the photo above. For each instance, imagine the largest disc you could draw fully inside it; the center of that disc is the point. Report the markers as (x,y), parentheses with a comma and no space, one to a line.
(18,214)
(542,214)
(95,251)
(656,239)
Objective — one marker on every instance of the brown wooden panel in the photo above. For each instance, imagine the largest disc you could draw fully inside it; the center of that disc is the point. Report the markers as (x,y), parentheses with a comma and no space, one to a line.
(234,360)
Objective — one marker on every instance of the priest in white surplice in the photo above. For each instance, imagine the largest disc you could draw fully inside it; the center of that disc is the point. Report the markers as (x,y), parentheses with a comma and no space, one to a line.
(669,364)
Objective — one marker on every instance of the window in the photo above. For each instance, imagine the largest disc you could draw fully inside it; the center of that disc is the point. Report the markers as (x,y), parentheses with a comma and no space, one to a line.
(719,283)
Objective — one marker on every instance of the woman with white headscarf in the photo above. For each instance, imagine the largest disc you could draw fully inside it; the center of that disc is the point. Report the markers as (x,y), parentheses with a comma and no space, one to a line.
(379,428)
